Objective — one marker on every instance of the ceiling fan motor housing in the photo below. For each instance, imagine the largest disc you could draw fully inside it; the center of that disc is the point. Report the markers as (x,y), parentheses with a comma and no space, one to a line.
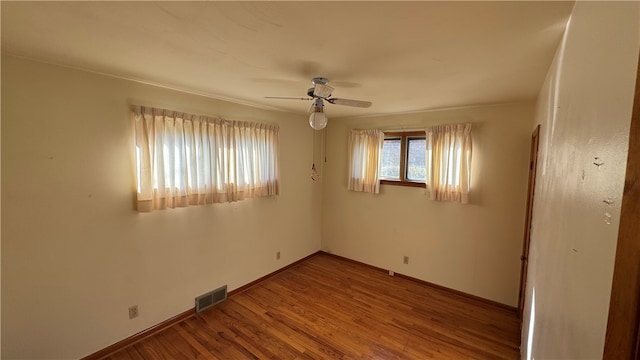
(319,80)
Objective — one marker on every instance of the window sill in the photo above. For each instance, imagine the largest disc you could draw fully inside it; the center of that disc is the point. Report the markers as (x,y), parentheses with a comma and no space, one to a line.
(403,183)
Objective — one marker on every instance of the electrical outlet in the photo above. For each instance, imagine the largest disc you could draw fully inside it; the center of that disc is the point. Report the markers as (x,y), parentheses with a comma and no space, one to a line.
(405,259)
(391,273)
(278,255)
(133,312)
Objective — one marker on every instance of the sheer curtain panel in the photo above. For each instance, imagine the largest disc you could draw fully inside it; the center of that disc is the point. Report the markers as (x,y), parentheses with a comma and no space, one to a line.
(365,153)
(448,162)
(185,159)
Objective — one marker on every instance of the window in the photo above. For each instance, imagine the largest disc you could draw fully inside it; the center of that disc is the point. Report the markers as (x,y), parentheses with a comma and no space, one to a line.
(187,159)
(403,159)
(438,159)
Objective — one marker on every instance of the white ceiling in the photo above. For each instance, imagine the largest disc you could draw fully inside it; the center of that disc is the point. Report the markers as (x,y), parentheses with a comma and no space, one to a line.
(402,56)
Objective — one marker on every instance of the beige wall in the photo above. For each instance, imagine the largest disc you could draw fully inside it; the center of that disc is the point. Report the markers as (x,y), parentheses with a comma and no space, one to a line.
(584,110)
(474,248)
(75,254)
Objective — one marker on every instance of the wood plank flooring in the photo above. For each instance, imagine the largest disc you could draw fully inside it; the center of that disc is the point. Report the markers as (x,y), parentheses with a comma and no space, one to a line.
(330,308)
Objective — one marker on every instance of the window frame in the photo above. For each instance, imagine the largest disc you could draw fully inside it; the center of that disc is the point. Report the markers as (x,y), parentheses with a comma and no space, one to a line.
(404,137)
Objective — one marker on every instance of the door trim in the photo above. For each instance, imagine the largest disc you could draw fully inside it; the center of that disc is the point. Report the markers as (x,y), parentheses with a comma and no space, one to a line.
(622,340)
(524,258)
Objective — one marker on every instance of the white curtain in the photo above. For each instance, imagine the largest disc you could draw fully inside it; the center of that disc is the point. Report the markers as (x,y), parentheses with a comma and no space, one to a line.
(187,159)
(448,162)
(365,154)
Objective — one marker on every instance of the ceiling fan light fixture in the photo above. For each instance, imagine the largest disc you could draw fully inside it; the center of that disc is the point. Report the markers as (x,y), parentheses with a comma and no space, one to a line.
(318,118)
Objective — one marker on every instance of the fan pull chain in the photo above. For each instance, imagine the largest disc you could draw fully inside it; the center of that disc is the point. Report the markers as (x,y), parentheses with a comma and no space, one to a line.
(324,145)
(314,172)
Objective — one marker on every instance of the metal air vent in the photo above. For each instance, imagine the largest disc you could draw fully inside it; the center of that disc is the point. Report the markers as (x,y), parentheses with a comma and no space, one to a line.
(209,299)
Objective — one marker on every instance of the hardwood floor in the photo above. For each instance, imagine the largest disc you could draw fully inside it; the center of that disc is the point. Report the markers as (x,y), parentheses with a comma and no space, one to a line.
(330,308)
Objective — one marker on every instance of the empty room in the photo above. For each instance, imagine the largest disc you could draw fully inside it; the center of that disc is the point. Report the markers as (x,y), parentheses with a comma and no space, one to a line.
(320,180)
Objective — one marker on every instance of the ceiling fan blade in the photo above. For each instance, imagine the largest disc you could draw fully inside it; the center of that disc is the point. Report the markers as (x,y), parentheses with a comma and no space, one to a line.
(288,98)
(349,102)
(322,91)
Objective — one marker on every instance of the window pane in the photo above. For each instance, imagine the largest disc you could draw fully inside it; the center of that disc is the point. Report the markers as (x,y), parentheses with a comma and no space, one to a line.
(416,170)
(391,159)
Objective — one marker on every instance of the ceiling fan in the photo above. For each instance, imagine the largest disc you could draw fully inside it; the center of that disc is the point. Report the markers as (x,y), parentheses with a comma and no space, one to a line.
(319,93)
